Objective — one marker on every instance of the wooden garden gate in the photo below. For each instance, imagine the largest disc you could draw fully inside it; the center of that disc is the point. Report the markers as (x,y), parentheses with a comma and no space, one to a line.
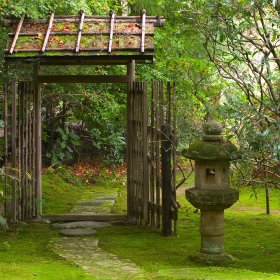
(151,152)
(92,40)
(20,183)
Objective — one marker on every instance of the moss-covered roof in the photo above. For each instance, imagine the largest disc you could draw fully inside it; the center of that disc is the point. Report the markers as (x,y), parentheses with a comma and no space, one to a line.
(82,36)
(218,150)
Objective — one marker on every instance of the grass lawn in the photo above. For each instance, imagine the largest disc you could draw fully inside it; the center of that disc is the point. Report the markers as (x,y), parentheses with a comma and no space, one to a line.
(251,237)
(24,255)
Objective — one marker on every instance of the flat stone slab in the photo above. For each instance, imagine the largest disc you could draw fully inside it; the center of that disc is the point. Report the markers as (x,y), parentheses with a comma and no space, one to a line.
(73,232)
(105,197)
(90,203)
(82,224)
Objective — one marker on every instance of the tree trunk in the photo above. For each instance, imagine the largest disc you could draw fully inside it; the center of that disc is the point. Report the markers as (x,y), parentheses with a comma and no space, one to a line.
(267,199)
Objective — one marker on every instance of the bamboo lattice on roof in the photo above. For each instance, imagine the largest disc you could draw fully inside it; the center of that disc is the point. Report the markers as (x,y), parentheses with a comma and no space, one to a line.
(76,37)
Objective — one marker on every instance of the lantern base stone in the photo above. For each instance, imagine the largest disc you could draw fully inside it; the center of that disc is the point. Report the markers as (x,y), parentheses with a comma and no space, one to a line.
(212,259)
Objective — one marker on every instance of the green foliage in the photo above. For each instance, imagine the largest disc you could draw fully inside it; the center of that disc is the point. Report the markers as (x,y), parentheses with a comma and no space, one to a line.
(64,146)
(2,148)
(204,49)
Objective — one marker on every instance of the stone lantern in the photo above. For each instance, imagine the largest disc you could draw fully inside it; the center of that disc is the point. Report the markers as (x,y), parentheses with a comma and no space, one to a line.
(211,193)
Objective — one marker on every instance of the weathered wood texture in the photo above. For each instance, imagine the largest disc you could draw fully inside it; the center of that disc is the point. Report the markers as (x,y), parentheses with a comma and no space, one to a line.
(151,156)
(19,191)
(88,36)
(137,152)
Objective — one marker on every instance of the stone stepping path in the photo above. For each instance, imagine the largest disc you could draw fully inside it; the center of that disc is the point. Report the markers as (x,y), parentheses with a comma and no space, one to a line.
(80,246)
(84,252)
(95,203)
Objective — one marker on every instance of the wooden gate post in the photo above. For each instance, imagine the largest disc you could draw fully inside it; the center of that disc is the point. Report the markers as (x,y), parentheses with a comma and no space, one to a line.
(130,199)
(6,147)
(14,151)
(166,181)
(38,164)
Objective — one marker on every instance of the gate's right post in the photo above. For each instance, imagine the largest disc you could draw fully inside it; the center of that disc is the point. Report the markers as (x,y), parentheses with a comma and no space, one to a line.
(166,181)
(131,75)
(38,164)
(14,151)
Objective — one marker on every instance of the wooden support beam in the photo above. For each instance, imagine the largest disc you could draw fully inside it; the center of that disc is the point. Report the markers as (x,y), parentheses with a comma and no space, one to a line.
(143,14)
(48,33)
(38,148)
(112,24)
(16,35)
(131,71)
(83,79)
(81,62)
(11,34)
(82,17)
(83,217)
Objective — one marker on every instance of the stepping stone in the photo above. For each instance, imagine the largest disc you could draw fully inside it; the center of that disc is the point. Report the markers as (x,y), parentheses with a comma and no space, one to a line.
(82,224)
(74,232)
(106,198)
(90,203)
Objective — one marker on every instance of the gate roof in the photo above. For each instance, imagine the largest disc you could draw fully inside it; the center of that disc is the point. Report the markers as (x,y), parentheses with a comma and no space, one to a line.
(81,38)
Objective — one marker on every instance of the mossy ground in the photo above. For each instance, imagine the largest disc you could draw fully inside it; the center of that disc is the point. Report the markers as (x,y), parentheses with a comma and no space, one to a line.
(251,237)
(25,255)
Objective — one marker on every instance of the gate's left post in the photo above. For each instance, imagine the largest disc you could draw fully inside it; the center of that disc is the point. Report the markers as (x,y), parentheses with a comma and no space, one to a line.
(38,145)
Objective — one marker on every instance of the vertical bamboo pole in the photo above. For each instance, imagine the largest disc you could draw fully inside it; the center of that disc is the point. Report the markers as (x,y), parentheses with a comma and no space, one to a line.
(33,154)
(38,163)
(6,148)
(27,155)
(152,159)
(29,151)
(131,74)
(144,99)
(157,148)
(26,149)
(14,151)
(166,181)
(174,147)
(136,144)
(21,150)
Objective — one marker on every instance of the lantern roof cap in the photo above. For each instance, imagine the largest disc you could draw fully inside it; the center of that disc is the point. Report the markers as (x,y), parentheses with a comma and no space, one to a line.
(212,146)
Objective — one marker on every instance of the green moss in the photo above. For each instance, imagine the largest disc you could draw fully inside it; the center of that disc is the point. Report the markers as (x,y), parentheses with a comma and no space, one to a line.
(29,42)
(211,151)
(249,237)
(58,195)
(25,254)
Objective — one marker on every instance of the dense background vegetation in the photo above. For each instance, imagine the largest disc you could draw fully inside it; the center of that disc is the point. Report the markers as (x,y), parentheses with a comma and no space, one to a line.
(222,53)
